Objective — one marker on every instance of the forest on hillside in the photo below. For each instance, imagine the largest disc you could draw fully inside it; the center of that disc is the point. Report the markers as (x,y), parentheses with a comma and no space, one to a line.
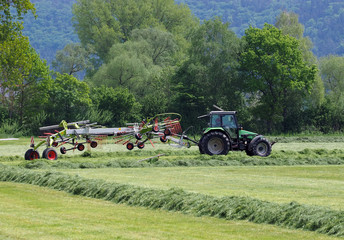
(322,19)
(143,57)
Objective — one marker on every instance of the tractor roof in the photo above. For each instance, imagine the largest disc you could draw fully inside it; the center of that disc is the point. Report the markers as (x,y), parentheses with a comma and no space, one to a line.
(223,112)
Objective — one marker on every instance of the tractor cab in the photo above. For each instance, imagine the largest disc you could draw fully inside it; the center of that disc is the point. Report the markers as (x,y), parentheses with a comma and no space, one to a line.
(226,120)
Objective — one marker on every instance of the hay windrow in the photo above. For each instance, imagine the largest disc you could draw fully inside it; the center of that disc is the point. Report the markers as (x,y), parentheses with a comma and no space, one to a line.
(292,215)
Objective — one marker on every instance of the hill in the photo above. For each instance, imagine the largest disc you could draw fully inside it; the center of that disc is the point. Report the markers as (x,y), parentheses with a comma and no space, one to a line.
(323,21)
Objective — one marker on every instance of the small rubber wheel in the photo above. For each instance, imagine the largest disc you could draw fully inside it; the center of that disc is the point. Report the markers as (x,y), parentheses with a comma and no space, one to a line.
(163,139)
(138,136)
(93,144)
(130,146)
(80,147)
(50,154)
(31,154)
(140,145)
(63,150)
(167,132)
(156,128)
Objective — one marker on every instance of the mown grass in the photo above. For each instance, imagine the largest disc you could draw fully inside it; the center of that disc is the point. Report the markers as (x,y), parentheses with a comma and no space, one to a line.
(292,215)
(170,158)
(30,212)
(224,192)
(315,185)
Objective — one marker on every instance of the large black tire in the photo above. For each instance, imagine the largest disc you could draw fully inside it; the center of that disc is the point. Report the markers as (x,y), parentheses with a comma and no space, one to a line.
(31,154)
(215,143)
(249,152)
(261,148)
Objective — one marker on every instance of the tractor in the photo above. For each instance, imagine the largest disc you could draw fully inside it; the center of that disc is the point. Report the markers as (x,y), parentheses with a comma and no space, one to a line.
(223,134)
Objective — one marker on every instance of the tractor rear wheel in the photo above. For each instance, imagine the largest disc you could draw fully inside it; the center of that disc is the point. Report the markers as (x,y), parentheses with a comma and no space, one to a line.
(215,143)
(261,148)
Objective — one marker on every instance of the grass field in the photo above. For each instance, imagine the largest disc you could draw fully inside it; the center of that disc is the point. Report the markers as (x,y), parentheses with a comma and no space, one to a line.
(315,185)
(48,214)
(31,212)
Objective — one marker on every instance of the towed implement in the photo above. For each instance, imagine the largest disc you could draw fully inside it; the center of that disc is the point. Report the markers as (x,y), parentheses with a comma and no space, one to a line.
(78,134)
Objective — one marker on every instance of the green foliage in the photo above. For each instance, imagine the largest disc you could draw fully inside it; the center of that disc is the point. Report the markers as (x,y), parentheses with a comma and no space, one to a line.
(322,19)
(329,116)
(9,19)
(10,128)
(72,59)
(103,23)
(210,74)
(275,73)
(68,98)
(143,65)
(292,215)
(117,105)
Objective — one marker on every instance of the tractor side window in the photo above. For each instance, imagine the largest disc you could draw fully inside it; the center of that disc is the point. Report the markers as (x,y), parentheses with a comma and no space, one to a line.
(230,125)
(228,121)
(216,121)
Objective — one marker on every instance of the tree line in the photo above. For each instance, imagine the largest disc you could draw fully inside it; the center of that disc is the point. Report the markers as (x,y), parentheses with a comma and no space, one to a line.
(147,57)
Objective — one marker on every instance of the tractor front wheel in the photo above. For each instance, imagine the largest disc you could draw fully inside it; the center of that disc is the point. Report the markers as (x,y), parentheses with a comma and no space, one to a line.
(261,148)
(215,143)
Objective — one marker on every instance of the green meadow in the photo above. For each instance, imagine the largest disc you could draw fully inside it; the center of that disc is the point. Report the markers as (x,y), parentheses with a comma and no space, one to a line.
(303,172)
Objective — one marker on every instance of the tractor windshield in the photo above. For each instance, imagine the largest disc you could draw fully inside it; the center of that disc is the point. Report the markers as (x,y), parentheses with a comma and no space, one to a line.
(226,121)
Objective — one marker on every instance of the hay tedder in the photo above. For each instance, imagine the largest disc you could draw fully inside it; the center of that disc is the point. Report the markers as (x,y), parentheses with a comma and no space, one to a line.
(77,134)
(222,135)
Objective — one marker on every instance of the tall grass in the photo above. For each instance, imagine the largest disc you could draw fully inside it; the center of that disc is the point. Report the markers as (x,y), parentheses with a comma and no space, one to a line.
(291,215)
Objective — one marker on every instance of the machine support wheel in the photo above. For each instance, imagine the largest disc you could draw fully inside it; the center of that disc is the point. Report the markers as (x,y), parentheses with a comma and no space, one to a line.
(80,147)
(163,139)
(140,145)
(215,143)
(50,154)
(31,154)
(93,144)
(261,148)
(130,146)
(63,150)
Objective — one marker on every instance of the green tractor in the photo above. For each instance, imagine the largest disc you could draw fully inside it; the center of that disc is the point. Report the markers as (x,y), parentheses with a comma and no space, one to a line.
(224,134)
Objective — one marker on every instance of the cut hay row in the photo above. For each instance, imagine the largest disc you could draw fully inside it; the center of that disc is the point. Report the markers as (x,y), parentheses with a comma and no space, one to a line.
(167,159)
(291,215)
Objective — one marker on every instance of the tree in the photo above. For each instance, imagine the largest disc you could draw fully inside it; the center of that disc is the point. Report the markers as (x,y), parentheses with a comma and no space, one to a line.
(141,65)
(273,66)
(72,60)
(329,116)
(300,101)
(69,99)
(8,19)
(117,106)
(103,23)
(209,76)
(160,44)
